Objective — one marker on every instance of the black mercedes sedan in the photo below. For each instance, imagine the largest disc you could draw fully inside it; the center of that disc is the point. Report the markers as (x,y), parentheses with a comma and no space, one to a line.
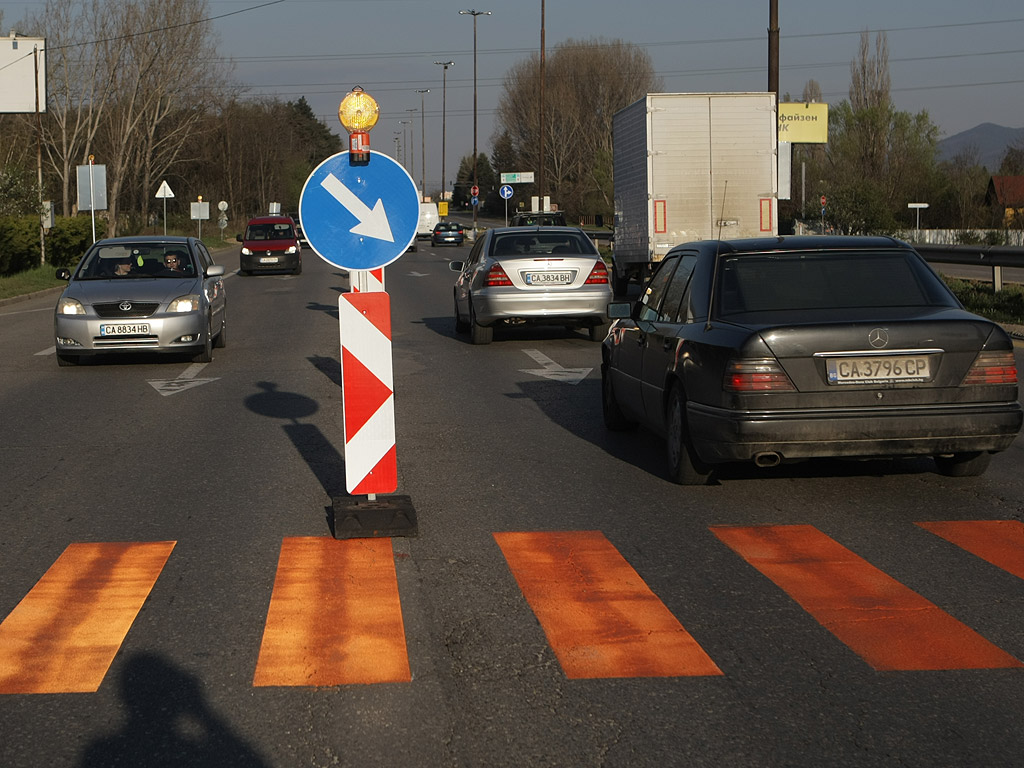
(776,349)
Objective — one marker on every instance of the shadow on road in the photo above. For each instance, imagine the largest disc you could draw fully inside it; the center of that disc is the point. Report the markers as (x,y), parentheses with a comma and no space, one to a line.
(169,723)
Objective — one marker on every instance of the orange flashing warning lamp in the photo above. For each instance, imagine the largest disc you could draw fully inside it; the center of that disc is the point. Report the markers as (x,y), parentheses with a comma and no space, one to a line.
(358,113)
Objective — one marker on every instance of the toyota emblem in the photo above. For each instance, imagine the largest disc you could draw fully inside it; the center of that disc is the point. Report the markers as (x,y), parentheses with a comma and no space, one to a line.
(125,306)
(878,338)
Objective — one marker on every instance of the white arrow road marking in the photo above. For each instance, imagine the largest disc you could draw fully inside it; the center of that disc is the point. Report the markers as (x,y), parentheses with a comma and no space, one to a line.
(187,380)
(553,370)
(49,351)
(372,223)
(419,274)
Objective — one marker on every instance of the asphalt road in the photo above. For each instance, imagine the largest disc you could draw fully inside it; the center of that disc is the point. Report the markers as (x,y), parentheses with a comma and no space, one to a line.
(562,604)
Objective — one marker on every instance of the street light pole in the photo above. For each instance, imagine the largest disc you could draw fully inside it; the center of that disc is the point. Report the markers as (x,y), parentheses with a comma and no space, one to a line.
(412,138)
(540,162)
(423,144)
(444,119)
(474,14)
(405,139)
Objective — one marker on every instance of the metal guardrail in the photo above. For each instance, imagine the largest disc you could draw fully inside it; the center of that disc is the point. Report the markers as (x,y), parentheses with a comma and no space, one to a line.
(994,256)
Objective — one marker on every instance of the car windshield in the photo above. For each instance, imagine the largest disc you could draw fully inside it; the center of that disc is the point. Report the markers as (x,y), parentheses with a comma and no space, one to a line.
(821,280)
(273,231)
(116,262)
(544,244)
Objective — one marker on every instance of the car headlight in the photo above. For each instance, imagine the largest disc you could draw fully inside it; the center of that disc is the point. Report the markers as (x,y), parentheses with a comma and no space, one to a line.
(292,249)
(70,307)
(188,303)
(246,251)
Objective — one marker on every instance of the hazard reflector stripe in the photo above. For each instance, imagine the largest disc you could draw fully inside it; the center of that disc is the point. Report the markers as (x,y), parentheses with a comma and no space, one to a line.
(999,542)
(63,636)
(600,618)
(334,617)
(884,622)
(363,394)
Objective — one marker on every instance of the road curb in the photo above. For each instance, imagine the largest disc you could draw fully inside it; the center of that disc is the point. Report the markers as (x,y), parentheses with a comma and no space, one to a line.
(28,296)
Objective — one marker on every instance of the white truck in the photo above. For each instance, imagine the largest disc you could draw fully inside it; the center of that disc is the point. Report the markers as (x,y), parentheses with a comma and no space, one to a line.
(691,166)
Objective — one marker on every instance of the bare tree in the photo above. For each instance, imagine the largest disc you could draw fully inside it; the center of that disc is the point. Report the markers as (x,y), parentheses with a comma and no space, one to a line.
(869,75)
(160,85)
(79,86)
(586,82)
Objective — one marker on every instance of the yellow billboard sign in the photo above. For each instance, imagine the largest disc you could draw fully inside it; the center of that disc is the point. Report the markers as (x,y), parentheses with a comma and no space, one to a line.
(803,123)
(442,209)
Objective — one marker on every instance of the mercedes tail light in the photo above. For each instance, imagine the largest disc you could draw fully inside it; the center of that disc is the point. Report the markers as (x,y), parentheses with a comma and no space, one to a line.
(496,277)
(599,274)
(992,368)
(760,375)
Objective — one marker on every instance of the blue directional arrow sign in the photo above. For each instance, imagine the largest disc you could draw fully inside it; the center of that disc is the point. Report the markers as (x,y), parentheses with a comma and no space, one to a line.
(505,191)
(359,216)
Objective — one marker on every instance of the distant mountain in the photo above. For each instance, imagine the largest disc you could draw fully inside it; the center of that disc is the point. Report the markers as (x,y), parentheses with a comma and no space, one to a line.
(990,140)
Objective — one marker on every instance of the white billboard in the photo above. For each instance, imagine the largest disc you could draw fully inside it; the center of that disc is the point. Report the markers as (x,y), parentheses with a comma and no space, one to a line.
(19,57)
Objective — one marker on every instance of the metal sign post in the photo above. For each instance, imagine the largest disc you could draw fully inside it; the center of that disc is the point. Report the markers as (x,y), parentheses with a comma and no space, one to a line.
(163,194)
(361,218)
(506,193)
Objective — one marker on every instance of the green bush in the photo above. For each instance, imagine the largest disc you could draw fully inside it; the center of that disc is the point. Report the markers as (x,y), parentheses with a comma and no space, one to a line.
(1006,306)
(19,244)
(68,240)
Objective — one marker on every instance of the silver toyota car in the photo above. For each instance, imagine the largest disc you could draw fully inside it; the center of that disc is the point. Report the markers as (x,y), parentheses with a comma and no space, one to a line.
(142,294)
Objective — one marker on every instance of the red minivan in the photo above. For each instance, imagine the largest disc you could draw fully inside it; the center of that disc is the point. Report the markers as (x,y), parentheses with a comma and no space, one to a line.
(270,244)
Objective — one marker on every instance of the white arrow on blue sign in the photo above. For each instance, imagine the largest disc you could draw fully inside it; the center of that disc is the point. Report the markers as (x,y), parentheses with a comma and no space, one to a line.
(505,191)
(359,216)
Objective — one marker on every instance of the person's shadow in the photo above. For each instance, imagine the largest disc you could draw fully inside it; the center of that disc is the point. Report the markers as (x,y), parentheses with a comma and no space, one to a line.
(169,723)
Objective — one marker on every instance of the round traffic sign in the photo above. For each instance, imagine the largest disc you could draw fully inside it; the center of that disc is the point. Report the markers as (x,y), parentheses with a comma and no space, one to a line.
(475,202)
(822,199)
(505,191)
(359,216)
(474,191)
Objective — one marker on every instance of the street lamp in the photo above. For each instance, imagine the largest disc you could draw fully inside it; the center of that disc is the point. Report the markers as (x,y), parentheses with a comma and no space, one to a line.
(412,147)
(474,14)
(423,144)
(405,138)
(444,118)
(540,163)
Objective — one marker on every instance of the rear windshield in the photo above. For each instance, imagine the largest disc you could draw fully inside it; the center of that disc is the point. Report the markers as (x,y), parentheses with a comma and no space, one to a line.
(107,262)
(276,231)
(542,244)
(827,280)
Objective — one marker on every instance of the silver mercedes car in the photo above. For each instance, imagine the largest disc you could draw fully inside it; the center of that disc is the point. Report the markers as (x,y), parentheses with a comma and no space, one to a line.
(539,275)
(142,294)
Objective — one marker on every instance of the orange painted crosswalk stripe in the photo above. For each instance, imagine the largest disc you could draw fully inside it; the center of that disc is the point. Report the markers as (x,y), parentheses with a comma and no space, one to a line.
(1000,542)
(63,636)
(888,625)
(599,616)
(335,616)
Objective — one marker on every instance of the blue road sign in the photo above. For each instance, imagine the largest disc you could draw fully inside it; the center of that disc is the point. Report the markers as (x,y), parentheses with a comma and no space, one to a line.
(359,216)
(505,191)
(474,201)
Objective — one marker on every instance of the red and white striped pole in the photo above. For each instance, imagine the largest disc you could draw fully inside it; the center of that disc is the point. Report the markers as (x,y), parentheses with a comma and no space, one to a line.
(368,392)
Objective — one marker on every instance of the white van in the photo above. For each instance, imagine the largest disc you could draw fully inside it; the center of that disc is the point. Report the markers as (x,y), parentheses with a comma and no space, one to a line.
(428,218)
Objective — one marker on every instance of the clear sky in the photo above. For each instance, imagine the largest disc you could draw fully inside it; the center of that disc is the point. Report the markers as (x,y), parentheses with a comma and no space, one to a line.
(961,62)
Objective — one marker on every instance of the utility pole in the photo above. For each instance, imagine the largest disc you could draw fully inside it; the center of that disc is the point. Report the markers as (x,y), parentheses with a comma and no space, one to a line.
(476,181)
(444,120)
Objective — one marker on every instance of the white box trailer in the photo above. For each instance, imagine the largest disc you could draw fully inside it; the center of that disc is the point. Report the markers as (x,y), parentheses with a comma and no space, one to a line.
(691,166)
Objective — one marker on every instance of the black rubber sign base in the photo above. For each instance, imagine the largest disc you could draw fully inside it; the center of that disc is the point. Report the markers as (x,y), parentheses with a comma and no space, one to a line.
(360,518)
